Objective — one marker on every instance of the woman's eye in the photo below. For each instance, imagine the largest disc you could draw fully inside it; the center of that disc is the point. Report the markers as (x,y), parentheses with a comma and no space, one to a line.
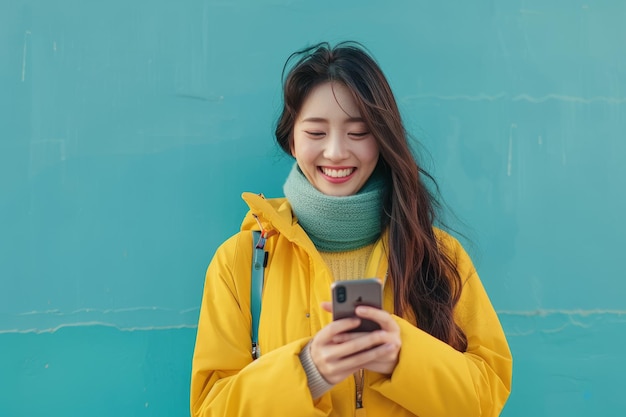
(314,134)
(359,134)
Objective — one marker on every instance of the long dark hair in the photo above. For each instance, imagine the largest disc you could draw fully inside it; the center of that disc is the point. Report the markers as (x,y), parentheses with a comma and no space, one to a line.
(425,281)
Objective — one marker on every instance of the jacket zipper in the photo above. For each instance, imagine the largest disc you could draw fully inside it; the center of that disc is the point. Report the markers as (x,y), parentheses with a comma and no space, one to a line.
(359,378)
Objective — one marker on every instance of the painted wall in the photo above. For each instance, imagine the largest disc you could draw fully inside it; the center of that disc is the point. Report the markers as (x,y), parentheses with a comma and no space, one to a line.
(129,129)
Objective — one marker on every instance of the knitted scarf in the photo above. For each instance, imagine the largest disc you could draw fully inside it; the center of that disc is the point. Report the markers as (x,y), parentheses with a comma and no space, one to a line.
(336,224)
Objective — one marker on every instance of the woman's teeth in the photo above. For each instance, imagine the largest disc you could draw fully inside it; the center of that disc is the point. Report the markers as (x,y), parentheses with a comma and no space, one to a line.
(337,173)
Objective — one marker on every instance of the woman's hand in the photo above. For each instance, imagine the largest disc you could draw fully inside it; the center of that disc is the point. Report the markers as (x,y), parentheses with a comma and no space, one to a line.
(338,354)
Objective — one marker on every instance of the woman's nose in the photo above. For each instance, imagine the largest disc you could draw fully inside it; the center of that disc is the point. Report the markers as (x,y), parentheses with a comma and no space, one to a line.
(336,148)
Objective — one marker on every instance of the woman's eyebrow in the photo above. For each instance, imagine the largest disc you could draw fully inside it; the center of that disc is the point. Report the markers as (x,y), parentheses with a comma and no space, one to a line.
(315,120)
(323,120)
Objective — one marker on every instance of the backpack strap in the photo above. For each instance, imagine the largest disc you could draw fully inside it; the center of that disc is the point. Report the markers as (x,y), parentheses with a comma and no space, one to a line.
(259,262)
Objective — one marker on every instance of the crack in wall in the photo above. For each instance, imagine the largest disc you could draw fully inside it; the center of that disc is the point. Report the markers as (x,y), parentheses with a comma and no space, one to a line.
(146,318)
(519,97)
(542,312)
(98,324)
(555,321)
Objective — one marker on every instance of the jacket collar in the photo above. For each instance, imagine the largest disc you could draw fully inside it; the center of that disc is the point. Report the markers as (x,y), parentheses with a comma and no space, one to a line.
(275,216)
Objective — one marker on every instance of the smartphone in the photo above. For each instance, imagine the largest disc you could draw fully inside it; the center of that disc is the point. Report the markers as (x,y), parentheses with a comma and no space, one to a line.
(347,295)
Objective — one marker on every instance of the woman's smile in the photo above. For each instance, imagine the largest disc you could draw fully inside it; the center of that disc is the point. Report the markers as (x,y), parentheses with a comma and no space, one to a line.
(337,175)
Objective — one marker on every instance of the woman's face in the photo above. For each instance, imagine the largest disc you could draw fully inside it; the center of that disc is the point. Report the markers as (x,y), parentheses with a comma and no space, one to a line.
(331,142)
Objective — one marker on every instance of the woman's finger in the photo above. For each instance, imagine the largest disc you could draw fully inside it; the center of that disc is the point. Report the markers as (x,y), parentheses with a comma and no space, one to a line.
(381,317)
(337,327)
(365,341)
(345,337)
(383,354)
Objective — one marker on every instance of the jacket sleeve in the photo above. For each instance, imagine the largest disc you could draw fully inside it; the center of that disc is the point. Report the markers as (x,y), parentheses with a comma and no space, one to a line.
(224,380)
(433,379)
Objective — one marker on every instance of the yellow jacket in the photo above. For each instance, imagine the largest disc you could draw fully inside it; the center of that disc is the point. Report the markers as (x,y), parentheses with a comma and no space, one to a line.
(431,378)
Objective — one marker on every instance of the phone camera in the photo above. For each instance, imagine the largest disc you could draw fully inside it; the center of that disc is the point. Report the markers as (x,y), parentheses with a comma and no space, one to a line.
(341,294)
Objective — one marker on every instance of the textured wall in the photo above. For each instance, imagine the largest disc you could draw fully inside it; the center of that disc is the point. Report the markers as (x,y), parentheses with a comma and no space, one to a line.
(129,129)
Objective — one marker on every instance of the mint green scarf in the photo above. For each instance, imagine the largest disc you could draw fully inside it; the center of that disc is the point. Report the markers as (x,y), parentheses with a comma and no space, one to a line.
(336,224)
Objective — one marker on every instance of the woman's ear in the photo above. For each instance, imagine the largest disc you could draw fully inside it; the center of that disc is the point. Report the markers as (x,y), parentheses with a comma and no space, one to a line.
(292,148)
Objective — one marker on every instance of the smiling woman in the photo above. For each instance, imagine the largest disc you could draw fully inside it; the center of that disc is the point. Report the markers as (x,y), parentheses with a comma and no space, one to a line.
(332,143)
(355,206)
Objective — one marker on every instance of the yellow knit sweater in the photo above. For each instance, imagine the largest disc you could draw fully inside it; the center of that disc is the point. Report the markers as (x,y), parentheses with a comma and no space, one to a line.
(349,264)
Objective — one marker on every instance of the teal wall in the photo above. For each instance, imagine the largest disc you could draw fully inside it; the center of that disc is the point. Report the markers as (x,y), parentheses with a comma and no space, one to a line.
(128,130)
